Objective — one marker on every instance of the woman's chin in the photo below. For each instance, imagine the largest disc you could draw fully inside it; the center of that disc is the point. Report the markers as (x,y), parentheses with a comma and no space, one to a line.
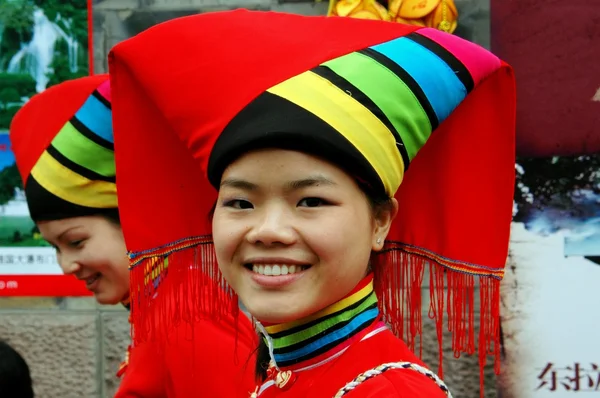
(106,298)
(268,314)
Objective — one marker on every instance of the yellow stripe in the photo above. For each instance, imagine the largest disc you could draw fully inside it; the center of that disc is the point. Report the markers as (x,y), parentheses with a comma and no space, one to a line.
(351,119)
(340,305)
(72,187)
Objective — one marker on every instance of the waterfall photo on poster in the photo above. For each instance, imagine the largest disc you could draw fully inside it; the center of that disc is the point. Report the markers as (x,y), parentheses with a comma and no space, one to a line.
(42,43)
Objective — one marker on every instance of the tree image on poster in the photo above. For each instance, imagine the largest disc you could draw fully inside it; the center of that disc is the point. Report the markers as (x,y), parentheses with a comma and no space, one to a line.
(16,227)
(42,43)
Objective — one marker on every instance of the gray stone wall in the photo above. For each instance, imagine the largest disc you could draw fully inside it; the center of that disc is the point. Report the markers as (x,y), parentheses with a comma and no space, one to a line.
(74,346)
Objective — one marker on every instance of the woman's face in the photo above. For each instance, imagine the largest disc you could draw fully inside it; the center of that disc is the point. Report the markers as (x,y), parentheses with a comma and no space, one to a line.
(293,233)
(93,249)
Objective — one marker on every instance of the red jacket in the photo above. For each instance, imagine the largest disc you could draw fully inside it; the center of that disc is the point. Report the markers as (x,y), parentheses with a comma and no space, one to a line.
(328,378)
(216,362)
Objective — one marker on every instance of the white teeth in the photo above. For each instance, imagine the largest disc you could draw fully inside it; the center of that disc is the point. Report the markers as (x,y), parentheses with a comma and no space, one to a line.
(277,269)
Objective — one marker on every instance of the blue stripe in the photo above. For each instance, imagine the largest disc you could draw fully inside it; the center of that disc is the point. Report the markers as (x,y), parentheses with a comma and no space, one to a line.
(438,81)
(329,338)
(97,118)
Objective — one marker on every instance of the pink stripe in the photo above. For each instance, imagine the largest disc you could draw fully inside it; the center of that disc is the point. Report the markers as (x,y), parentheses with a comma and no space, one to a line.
(104,90)
(476,59)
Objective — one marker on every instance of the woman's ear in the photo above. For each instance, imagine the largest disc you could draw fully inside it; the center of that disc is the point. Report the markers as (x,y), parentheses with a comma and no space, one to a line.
(383,221)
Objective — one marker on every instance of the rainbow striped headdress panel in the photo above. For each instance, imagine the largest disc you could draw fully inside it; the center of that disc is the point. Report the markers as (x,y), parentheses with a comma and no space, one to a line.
(339,110)
(74,175)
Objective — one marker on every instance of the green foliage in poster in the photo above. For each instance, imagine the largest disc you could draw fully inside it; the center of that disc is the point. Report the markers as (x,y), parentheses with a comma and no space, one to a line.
(16,29)
(16,22)
(9,180)
(13,87)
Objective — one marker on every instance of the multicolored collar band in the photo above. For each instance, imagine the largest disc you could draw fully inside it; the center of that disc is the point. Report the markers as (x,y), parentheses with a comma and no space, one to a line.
(312,339)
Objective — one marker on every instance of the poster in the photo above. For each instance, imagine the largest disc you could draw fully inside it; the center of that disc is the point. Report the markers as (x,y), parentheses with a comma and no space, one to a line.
(42,43)
(551,291)
(550,294)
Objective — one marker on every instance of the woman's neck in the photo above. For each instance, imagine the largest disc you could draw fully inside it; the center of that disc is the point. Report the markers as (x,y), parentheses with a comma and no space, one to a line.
(126,302)
(312,339)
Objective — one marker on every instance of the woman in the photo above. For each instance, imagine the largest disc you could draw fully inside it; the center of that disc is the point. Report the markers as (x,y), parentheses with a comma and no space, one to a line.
(306,127)
(67,166)
(64,148)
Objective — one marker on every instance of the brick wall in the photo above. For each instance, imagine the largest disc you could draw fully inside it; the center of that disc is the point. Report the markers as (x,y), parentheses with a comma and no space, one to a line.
(74,346)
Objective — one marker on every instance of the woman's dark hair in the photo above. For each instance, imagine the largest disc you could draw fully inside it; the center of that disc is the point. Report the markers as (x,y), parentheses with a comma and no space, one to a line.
(379,200)
(15,379)
(111,215)
(262,360)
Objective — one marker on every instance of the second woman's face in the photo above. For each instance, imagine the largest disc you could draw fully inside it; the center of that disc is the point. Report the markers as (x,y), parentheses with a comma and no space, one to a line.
(93,249)
(293,233)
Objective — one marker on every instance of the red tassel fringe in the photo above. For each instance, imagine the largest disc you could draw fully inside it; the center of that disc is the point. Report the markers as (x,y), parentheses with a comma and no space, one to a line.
(175,284)
(195,289)
(398,283)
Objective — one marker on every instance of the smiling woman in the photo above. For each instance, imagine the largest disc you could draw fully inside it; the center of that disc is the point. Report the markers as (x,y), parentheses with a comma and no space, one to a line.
(342,152)
(68,172)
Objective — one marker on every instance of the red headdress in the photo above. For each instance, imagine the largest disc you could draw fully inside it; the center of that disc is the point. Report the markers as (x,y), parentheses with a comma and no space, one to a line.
(62,140)
(196,92)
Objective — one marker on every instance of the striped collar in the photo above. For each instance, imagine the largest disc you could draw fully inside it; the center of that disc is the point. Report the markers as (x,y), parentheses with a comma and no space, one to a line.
(311,340)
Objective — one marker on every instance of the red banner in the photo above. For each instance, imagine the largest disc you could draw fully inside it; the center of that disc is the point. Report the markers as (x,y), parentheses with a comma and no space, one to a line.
(41,286)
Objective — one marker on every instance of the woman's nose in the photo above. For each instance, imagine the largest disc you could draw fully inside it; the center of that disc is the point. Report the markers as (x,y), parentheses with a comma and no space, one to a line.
(68,264)
(272,227)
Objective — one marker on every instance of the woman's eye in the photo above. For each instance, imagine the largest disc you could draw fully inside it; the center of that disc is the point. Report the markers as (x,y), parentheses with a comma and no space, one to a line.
(312,202)
(76,243)
(239,204)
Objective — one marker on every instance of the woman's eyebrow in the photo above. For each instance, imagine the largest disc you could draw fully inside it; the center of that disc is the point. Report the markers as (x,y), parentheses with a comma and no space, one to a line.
(290,186)
(309,182)
(238,183)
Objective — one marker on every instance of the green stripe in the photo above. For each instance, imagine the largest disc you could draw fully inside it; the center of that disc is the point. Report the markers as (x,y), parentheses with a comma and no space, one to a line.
(396,100)
(320,327)
(86,153)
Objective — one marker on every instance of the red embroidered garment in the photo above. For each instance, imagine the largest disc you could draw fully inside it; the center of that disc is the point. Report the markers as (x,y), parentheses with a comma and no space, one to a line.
(378,346)
(223,366)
